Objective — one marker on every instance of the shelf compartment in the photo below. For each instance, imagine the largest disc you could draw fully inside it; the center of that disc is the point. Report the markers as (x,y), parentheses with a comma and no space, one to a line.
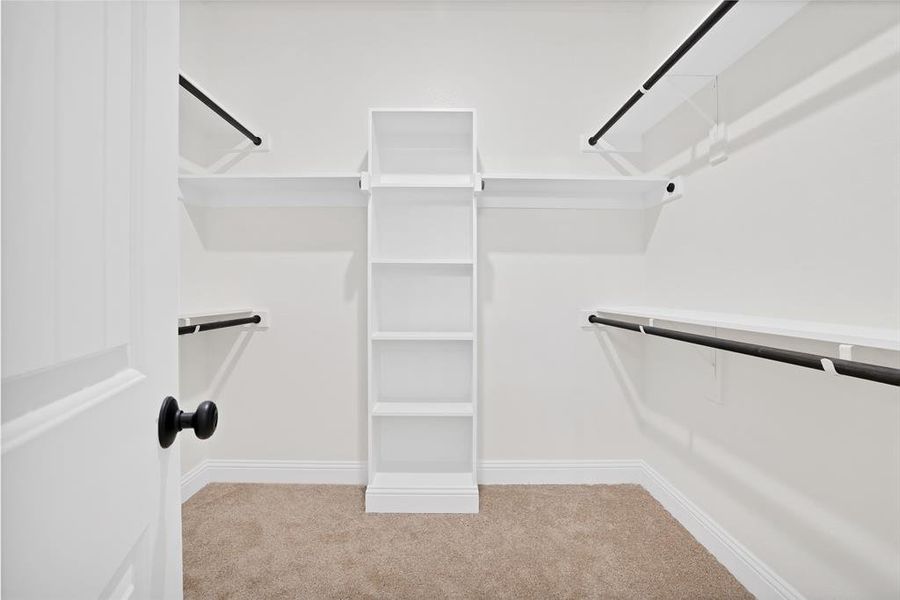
(408,143)
(423,444)
(423,223)
(422,409)
(428,371)
(410,298)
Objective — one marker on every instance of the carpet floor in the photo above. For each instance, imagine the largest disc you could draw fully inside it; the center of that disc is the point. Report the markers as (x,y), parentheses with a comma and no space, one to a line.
(244,541)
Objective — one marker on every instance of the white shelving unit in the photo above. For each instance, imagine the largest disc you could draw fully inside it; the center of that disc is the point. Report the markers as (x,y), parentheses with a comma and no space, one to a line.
(422,312)
(869,337)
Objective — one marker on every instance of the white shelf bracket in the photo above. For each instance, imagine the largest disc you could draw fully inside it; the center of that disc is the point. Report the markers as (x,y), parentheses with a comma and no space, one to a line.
(365,181)
(711,120)
(718,132)
(845,351)
(674,190)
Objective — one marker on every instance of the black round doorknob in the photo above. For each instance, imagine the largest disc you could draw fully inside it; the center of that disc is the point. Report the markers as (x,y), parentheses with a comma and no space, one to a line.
(172,420)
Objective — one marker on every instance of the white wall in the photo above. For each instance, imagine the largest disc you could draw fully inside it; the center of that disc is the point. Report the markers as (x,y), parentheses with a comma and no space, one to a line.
(802,221)
(297,391)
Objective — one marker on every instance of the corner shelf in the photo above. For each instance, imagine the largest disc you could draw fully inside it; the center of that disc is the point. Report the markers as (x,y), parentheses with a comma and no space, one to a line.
(739,31)
(576,191)
(869,337)
(325,190)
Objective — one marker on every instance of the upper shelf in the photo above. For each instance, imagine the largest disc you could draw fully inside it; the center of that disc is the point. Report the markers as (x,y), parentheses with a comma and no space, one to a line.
(870,337)
(500,191)
(189,317)
(406,143)
(334,190)
(606,192)
(739,31)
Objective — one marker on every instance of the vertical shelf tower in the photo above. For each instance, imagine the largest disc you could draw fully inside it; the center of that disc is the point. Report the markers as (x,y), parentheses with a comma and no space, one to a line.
(422,312)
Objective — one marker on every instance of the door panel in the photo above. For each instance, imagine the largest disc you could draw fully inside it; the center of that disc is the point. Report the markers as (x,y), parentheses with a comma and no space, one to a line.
(91,503)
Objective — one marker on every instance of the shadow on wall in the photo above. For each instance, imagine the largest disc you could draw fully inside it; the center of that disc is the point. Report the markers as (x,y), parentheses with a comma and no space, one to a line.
(287,230)
(759,464)
(555,233)
(209,359)
(862,35)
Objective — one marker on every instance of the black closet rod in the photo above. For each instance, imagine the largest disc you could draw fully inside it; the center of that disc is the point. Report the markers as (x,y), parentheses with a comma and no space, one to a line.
(850,368)
(190,87)
(185,329)
(707,24)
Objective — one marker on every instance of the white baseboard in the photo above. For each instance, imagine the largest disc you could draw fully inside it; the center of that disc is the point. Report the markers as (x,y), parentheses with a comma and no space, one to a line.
(335,472)
(747,568)
(193,481)
(753,573)
(571,472)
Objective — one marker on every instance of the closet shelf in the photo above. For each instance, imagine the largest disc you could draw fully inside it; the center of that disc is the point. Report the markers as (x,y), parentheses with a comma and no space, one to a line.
(422,261)
(870,337)
(413,336)
(739,31)
(576,191)
(423,409)
(500,190)
(191,317)
(329,190)
(422,181)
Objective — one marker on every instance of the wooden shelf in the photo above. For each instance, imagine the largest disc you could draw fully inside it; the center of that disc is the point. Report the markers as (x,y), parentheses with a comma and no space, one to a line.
(328,190)
(870,337)
(573,191)
(739,31)
(423,409)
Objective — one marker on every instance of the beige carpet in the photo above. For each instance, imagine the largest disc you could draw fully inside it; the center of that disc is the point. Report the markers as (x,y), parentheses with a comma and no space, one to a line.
(542,542)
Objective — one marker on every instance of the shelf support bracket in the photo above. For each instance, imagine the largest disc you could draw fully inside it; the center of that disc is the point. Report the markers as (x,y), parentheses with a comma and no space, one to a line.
(718,133)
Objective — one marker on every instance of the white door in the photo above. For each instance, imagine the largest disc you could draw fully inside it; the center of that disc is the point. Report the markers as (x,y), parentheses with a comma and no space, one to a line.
(90,502)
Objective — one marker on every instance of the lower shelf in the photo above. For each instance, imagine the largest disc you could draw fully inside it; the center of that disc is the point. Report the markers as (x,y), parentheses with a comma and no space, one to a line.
(405,492)
(422,409)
